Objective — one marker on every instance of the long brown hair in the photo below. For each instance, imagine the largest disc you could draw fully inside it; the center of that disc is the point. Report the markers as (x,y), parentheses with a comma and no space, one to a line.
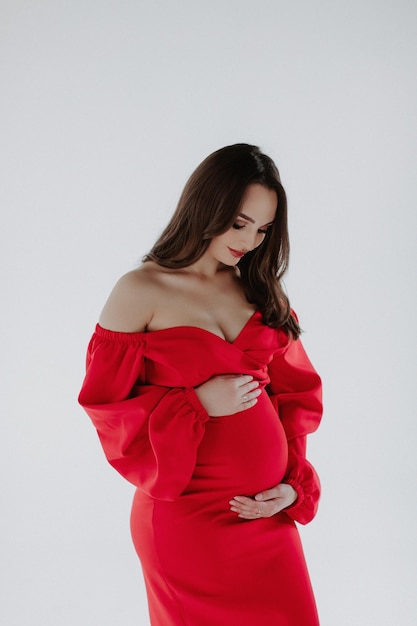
(208,207)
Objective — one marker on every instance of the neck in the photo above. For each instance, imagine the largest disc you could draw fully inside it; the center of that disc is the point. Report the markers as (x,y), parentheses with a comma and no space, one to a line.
(206,267)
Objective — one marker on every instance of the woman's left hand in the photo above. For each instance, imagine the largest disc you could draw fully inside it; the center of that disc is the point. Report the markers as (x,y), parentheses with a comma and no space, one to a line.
(265,504)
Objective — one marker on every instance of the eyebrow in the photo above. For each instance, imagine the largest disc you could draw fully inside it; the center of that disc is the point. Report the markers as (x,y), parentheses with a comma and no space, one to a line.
(249,219)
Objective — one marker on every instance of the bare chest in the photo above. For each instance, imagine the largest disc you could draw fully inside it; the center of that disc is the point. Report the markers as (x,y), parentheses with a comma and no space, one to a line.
(220,308)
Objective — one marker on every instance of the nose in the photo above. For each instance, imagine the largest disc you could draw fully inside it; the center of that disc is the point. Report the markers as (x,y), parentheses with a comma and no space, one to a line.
(249,240)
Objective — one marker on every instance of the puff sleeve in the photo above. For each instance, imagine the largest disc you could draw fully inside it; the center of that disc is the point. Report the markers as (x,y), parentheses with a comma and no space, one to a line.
(295,391)
(149,433)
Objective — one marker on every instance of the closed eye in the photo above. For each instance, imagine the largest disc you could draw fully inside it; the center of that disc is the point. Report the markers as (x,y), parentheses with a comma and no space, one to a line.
(263,231)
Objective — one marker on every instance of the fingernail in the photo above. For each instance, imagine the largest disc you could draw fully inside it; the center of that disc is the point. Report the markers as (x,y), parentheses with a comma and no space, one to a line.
(258,496)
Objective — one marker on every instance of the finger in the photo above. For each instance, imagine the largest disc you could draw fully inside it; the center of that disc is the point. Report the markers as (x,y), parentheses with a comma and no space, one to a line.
(248,397)
(254,384)
(244,406)
(268,494)
(245,506)
(252,514)
(249,516)
(242,500)
(247,513)
(243,380)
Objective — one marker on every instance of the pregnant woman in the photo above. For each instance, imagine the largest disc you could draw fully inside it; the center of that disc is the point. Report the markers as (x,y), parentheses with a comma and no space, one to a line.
(202,396)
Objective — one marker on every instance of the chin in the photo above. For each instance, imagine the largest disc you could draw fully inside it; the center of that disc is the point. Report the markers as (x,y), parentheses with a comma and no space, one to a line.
(230,262)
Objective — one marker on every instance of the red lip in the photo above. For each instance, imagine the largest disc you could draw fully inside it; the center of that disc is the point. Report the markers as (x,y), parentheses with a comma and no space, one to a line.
(236,253)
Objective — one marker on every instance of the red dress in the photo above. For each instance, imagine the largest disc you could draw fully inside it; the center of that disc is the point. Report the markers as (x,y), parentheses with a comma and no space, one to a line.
(204,566)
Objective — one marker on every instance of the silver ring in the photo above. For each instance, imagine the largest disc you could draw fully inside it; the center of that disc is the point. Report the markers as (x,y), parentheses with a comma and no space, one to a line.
(259,512)
(245,398)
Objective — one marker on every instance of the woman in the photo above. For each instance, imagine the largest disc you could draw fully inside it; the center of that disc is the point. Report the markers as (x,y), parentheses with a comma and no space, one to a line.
(202,396)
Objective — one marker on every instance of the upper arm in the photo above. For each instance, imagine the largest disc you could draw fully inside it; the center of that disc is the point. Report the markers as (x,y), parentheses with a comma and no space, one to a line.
(130,305)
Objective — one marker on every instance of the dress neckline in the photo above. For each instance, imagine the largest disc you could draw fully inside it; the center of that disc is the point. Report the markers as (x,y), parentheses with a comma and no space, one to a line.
(204,330)
(147,333)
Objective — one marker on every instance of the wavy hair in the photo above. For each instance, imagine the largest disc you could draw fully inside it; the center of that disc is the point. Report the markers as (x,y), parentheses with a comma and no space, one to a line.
(209,206)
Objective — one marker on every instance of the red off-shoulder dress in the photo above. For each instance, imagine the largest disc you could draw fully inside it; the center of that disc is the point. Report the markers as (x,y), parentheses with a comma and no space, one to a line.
(202,565)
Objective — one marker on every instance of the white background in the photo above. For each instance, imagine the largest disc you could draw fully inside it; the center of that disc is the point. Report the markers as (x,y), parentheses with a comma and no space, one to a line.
(106,108)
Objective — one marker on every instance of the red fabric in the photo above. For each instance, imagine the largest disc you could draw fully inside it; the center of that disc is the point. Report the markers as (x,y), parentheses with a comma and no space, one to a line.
(202,565)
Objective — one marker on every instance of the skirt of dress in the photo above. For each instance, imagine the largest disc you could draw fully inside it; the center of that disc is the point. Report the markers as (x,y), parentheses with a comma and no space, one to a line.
(204,566)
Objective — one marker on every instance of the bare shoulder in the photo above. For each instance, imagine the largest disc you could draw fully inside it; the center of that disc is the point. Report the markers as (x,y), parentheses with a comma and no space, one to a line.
(131,304)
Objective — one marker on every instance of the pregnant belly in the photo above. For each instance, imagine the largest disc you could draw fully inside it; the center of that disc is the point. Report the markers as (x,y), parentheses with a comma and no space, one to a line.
(242,453)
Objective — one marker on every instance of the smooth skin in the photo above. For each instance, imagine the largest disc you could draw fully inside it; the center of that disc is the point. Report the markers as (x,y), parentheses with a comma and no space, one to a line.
(209,295)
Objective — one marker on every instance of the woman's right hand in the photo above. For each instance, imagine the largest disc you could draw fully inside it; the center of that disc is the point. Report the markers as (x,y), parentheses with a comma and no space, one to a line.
(226,395)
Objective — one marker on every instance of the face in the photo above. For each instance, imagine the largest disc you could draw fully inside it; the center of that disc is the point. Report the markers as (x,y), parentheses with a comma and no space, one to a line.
(256,215)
